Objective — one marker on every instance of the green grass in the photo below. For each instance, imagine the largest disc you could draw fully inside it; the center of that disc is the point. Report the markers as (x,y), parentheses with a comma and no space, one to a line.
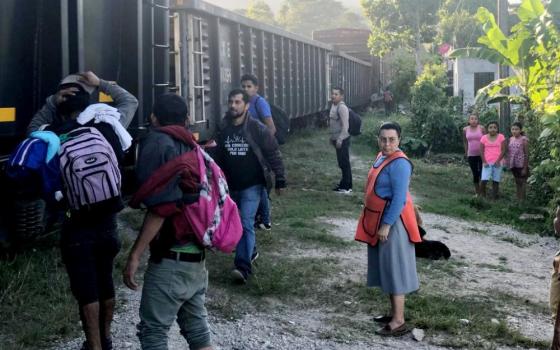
(301,261)
(447,189)
(35,302)
(36,305)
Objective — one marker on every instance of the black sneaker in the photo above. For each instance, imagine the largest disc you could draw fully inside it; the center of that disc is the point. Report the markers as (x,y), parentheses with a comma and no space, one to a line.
(238,276)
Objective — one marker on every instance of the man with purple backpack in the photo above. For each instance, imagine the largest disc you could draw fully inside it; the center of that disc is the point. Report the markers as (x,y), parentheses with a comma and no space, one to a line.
(92,144)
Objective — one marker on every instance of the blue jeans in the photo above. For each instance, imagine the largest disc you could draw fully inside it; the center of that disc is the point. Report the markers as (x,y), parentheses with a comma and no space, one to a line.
(264,207)
(247,201)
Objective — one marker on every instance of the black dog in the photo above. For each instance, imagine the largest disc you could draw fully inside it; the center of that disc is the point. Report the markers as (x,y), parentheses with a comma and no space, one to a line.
(433,250)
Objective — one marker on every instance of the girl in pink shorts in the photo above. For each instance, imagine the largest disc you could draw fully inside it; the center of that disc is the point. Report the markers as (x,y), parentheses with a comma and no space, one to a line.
(493,150)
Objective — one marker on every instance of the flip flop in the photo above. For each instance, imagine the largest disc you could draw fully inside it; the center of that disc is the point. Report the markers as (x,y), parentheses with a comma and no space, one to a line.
(397,332)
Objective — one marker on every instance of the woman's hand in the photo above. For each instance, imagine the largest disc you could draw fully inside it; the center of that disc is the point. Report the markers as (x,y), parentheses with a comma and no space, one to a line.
(383,232)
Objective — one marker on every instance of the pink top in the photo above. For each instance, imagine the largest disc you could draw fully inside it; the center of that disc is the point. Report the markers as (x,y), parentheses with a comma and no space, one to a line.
(492,150)
(473,139)
(516,152)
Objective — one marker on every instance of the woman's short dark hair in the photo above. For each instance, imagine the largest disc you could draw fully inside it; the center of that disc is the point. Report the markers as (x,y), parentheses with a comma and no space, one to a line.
(390,126)
(518,124)
(170,109)
(493,122)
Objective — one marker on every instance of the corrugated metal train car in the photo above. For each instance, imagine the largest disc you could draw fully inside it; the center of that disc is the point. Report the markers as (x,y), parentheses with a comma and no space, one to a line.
(150,47)
(215,47)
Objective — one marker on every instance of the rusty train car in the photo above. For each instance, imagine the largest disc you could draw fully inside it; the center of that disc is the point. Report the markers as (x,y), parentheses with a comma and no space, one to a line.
(149,47)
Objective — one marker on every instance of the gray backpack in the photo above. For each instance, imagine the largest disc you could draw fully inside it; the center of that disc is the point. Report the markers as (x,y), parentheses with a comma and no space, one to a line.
(89,167)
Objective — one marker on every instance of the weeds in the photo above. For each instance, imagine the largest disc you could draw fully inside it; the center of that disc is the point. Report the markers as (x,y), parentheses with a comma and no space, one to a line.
(34,289)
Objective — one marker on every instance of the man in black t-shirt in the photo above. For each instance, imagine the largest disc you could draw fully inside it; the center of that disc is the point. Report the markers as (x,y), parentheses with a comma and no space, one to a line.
(247,152)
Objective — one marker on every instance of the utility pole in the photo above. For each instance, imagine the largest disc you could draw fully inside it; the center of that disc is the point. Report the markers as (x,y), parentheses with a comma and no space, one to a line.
(505,112)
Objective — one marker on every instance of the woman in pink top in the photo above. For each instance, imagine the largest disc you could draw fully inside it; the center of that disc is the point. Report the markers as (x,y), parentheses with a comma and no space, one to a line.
(472,134)
(518,158)
(492,151)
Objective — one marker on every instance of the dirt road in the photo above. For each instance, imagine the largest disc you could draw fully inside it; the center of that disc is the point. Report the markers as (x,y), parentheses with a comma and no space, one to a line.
(490,259)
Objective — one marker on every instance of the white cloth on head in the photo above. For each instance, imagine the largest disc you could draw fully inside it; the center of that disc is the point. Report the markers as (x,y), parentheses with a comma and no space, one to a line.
(102,113)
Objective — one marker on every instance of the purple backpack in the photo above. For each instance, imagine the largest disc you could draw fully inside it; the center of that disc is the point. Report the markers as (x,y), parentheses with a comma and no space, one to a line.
(89,168)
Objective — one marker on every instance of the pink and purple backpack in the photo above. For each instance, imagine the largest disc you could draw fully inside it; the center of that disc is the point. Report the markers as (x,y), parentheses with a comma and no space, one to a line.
(214,217)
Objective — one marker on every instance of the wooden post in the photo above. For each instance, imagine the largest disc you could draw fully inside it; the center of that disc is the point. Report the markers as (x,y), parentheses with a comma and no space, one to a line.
(505,112)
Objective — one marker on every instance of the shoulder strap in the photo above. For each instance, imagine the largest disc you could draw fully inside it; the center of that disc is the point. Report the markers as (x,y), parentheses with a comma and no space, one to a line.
(337,108)
(251,141)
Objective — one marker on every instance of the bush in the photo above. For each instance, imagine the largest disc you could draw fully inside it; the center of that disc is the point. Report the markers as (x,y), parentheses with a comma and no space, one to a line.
(413,146)
(403,73)
(435,117)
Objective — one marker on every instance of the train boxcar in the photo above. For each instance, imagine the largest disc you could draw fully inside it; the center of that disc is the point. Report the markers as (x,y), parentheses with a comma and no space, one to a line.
(150,47)
(196,49)
(216,47)
(42,40)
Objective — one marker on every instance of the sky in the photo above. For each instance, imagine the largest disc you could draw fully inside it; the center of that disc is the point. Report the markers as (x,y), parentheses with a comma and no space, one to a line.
(274,4)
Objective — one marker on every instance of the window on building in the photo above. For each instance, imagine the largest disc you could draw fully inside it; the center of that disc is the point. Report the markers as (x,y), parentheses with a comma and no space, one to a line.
(481,79)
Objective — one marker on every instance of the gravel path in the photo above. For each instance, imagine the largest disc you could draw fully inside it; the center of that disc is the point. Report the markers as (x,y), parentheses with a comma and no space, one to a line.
(523,261)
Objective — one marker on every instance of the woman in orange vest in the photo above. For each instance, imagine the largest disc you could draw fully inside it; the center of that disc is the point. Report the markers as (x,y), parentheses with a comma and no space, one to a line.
(388,225)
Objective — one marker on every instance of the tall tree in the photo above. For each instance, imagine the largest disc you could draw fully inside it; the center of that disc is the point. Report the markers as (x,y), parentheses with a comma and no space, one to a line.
(305,16)
(458,24)
(401,24)
(260,11)
(351,19)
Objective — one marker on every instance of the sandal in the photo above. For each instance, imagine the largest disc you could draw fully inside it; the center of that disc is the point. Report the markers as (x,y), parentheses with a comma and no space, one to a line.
(396,332)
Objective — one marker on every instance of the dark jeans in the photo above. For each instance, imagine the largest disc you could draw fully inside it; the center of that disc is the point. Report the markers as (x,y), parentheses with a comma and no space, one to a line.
(89,246)
(475,162)
(343,158)
(388,108)
(264,207)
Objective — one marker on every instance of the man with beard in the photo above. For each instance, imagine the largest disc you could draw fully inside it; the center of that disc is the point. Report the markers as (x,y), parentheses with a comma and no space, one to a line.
(247,153)
(89,239)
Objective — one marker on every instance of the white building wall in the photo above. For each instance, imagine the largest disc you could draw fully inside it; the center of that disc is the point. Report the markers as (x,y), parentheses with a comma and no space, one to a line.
(463,77)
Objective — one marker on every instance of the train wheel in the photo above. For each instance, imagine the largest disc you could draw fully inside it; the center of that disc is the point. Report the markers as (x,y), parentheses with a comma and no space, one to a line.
(29,219)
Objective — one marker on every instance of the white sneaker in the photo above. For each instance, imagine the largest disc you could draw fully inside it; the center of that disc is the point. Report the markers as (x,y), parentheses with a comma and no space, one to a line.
(344,191)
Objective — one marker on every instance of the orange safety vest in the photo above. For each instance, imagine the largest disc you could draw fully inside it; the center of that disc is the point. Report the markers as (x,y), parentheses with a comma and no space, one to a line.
(374,206)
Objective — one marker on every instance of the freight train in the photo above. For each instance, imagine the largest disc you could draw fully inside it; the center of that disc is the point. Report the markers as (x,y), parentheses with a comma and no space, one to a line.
(149,47)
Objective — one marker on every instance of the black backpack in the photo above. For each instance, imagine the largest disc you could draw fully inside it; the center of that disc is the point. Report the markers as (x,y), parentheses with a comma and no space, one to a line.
(281,122)
(354,122)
